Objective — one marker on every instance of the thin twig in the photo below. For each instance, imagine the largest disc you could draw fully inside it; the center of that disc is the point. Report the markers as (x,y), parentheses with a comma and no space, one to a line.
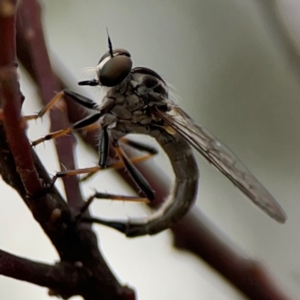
(11,99)
(32,51)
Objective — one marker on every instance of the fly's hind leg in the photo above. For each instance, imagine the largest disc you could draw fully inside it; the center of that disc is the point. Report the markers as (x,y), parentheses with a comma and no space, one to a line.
(99,195)
(150,151)
(137,177)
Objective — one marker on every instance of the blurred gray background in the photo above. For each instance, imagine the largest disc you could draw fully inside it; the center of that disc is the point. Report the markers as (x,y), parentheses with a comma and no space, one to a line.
(232,75)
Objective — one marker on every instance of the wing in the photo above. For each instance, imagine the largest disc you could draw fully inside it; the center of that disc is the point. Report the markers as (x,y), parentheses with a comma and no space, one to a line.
(223,159)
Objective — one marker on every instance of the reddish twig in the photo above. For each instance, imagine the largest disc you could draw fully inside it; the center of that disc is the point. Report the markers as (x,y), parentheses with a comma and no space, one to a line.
(32,51)
(7,27)
(14,128)
(11,100)
(196,234)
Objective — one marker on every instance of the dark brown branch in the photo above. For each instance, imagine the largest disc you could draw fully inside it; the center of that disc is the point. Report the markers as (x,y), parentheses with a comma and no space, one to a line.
(75,243)
(63,279)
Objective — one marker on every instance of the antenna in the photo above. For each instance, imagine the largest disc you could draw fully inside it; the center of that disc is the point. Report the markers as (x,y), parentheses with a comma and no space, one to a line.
(109,44)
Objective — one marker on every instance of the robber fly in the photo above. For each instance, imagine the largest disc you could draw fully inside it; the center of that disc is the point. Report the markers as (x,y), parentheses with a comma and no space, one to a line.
(137,101)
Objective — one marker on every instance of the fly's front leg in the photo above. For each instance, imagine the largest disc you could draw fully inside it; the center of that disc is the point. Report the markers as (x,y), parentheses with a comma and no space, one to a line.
(43,111)
(46,108)
(84,101)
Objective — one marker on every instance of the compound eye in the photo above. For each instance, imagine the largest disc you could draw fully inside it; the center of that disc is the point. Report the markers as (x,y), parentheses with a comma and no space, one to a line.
(114,70)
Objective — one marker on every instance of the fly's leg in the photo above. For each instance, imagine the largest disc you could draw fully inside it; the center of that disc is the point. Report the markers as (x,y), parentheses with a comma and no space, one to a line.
(84,101)
(135,174)
(99,195)
(45,109)
(78,125)
(41,113)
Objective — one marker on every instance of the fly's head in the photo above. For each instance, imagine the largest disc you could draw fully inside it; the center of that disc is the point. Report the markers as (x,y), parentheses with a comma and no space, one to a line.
(113,67)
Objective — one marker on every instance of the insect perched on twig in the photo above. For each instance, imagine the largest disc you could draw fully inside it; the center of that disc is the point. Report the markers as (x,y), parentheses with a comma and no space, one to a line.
(137,101)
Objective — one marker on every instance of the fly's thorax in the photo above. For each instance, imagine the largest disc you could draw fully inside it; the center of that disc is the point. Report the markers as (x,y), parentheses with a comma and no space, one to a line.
(132,104)
(130,107)
(128,104)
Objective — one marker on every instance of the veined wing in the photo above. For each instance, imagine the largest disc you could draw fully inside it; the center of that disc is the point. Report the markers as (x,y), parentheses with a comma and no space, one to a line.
(223,159)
